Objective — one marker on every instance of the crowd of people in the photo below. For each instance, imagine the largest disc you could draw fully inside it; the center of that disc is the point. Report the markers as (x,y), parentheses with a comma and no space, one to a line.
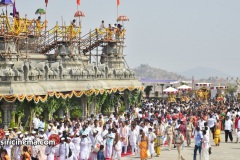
(140,130)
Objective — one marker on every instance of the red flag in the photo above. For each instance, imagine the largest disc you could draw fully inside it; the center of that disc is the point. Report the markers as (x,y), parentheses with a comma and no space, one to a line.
(118,2)
(46,2)
(78,2)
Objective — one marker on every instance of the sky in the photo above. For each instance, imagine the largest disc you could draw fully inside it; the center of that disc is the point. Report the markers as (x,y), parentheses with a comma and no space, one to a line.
(175,35)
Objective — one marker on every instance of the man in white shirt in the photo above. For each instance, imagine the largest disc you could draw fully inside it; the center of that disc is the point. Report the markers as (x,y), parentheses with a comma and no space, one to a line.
(36,123)
(133,139)
(63,150)
(151,138)
(201,123)
(102,26)
(228,129)
(211,124)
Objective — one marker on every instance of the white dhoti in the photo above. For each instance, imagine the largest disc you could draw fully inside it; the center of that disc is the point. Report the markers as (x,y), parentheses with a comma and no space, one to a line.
(117,150)
(70,158)
(151,148)
(108,151)
(62,157)
(50,157)
(93,156)
(204,154)
(116,154)
(134,149)
(76,154)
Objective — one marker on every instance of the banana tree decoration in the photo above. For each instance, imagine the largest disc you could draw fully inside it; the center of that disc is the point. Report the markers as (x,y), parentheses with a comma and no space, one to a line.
(52,106)
(100,99)
(68,105)
(34,109)
(20,111)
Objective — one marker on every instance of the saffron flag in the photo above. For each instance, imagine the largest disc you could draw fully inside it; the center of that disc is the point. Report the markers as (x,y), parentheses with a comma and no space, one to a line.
(78,2)
(118,2)
(46,2)
(14,9)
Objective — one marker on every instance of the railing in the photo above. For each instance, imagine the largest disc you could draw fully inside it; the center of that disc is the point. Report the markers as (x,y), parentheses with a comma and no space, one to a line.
(59,34)
(98,36)
(43,41)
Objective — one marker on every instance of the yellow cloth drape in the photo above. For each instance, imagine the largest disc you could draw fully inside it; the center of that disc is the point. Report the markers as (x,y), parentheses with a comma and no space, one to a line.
(143,149)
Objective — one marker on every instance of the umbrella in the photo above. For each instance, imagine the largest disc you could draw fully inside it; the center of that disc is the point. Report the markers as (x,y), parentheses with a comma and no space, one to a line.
(79,14)
(40,11)
(170,90)
(122,18)
(184,88)
(6,2)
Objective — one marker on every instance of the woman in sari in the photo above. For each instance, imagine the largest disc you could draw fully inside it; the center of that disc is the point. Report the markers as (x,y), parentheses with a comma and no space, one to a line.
(217,133)
(143,145)
(25,155)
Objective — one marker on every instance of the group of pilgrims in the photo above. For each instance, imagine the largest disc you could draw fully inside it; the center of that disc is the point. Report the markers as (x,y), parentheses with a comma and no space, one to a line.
(139,131)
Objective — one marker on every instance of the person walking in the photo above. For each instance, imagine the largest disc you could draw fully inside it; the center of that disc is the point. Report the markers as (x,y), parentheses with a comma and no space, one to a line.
(169,132)
(205,146)
(143,145)
(179,141)
(151,138)
(228,128)
(198,138)
(100,154)
(189,131)
(217,133)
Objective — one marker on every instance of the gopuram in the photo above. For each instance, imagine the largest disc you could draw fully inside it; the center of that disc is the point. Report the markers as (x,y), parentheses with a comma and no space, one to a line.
(37,64)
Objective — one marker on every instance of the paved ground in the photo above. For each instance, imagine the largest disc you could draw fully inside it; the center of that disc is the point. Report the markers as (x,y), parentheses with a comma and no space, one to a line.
(226,151)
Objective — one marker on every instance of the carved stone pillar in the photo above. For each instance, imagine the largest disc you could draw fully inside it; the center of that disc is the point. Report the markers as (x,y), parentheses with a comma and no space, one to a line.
(5,115)
(92,109)
(84,105)
(7,107)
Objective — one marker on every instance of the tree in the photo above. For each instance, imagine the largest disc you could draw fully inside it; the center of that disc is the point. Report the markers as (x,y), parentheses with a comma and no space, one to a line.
(35,108)
(52,106)
(20,111)
(68,105)
(100,99)
(148,90)
(109,102)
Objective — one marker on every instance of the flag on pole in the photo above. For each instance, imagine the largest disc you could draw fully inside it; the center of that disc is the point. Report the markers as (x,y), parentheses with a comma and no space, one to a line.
(78,2)
(14,9)
(46,2)
(118,2)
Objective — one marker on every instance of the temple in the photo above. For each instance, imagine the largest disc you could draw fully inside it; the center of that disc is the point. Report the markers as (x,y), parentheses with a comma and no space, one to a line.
(37,63)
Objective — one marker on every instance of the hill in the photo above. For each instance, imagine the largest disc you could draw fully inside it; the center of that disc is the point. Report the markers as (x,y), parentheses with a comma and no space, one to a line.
(146,71)
(203,73)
